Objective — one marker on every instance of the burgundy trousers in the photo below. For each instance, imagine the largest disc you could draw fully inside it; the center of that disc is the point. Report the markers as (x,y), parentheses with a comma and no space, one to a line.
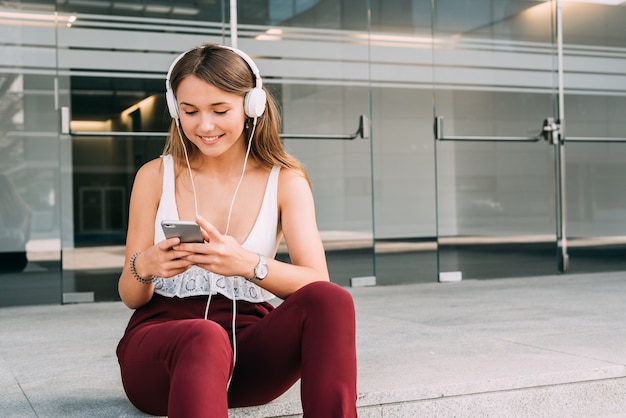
(174,362)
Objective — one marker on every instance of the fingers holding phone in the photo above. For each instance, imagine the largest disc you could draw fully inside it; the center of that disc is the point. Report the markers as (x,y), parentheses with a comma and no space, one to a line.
(187,231)
(162,260)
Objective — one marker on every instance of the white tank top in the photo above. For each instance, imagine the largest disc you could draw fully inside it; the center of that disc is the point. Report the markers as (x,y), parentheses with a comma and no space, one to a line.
(198,281)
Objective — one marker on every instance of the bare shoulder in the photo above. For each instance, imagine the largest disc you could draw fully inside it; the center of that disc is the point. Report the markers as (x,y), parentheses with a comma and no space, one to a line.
(294,190)
(291,178)
(149,178)
(151,168)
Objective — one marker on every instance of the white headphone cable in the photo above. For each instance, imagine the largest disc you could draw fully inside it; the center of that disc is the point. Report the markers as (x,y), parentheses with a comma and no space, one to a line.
(230,211)
(243,171)
(232,203)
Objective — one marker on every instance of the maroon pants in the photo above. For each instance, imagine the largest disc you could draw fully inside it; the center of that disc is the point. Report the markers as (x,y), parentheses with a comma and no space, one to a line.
(174,362)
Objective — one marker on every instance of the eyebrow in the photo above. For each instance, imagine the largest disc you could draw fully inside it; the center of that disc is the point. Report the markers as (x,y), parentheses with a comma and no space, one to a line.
(212,104)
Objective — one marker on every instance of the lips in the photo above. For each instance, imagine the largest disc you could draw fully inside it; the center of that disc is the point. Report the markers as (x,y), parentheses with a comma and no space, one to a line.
(210,140)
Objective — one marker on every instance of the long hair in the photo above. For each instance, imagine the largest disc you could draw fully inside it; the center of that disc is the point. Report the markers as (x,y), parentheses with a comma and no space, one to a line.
(228,72)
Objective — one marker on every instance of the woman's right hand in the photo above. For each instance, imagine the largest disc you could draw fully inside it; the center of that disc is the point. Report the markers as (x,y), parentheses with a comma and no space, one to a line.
(157,260)
(162,260)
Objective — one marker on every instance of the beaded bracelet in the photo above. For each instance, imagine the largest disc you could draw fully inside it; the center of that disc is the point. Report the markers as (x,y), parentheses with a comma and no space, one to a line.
(134,271)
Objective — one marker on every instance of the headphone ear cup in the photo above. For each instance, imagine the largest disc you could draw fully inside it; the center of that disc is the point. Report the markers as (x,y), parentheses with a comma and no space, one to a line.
(172,106)
(254,102)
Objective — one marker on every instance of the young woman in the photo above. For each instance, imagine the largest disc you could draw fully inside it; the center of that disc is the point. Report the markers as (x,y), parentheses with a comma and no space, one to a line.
(204,336)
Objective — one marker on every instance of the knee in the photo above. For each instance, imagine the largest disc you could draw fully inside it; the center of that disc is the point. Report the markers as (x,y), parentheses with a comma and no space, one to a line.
(327,296)
(203,339)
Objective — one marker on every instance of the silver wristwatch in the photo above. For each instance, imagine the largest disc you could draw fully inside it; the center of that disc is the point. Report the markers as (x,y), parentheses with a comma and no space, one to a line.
(260,271)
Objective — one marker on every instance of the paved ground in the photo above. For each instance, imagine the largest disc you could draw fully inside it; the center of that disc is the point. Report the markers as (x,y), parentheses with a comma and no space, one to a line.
(541,346)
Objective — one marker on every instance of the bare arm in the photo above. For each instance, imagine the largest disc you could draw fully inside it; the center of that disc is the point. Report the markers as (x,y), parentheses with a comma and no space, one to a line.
(299,226)
(153,260)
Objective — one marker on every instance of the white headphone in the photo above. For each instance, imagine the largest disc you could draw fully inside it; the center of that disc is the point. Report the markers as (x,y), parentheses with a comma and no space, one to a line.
(254,101)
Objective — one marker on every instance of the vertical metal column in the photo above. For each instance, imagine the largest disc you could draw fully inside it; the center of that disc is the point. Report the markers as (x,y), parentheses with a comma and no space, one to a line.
(233,23)
(560,151)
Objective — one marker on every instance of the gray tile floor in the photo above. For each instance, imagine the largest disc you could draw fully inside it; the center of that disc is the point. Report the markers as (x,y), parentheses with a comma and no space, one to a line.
(540,346)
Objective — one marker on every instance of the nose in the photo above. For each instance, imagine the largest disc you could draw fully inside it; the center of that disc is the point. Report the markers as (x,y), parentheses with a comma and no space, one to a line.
(207,122)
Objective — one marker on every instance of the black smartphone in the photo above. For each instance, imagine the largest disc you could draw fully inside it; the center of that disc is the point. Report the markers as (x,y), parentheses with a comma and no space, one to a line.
(187,231)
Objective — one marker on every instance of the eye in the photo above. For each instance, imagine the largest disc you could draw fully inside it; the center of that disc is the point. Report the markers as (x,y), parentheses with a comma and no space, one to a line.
(223,112)
(190,112)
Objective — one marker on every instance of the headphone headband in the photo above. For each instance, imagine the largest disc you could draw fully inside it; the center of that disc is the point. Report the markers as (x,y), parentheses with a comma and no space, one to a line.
(254,100)
(258,83)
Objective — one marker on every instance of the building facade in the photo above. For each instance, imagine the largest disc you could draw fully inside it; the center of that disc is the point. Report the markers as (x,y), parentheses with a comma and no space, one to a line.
(445,140)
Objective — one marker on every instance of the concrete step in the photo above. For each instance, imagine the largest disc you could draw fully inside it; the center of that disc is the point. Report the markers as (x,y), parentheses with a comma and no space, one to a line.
(596,398)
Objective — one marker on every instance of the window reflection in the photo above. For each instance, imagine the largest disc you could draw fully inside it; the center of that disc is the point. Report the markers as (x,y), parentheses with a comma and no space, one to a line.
(180,9)
(15,227)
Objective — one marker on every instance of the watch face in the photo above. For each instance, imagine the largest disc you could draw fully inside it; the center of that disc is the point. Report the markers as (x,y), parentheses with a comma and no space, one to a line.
(261,271)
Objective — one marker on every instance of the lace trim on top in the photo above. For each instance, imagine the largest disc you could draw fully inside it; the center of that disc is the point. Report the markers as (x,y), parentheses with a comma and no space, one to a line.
(198,281)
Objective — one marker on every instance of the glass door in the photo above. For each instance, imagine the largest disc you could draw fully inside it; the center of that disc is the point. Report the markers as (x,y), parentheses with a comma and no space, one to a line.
(403,163)
(114,119)
(322,81)
(594,134)
(495,102)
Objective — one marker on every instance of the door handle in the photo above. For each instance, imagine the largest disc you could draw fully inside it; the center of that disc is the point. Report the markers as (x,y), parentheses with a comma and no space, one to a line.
(362,131)
(551,132)
(547,133)
(593,139)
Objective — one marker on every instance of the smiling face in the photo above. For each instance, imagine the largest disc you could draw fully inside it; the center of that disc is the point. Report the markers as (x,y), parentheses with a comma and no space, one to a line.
(211,118)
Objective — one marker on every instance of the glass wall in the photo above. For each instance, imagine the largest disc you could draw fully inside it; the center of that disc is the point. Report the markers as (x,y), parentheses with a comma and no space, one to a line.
(444,139)
(113,58)
(33,158)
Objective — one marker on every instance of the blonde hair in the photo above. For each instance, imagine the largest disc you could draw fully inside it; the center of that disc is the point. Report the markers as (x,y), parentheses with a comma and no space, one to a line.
(227,71)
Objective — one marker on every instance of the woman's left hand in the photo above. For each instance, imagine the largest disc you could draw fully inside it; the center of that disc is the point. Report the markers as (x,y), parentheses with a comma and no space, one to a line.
(220,254)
